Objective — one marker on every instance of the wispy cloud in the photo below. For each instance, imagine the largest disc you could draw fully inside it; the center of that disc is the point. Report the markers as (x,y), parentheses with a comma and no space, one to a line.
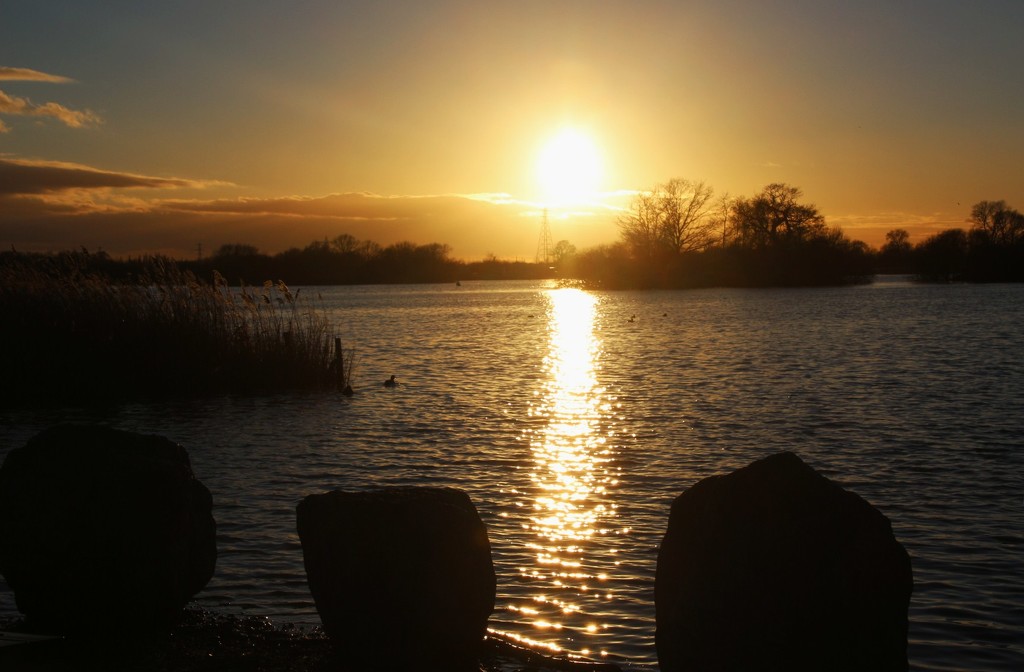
(362,206)
(53,205)
(18,106)
(47,205)
(24,107)
(50,205)
(24,74)
(871,228)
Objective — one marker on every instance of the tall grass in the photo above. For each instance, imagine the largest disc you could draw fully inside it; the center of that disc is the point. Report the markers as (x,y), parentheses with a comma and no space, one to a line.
(68,332)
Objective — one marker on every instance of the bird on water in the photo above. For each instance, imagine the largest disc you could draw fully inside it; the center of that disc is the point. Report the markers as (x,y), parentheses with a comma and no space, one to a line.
(391,382)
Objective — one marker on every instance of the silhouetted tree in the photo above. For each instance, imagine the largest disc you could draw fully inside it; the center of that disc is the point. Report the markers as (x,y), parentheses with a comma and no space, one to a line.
(895,255)
(238,262)
(235,250)
(315,264)
(995,243)
(678,236)
(346,243)
(672,219)
(564,257)
(942,257)
(612,266)
(1001,224)
(898,241)
(721,219)
(563,250)
(408,262)
(775,216)
(493,268)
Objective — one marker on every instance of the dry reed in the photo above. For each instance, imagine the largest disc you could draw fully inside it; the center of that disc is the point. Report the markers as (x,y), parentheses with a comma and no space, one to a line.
(70,333)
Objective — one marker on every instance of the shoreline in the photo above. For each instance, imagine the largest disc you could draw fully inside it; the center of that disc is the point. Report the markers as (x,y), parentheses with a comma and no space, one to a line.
(202,640)
(209,641)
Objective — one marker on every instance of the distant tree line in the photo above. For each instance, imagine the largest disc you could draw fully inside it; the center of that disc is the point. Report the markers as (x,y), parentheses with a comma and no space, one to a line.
(679,235)
(341,261)
(991,250)
(676,235)
(346,260)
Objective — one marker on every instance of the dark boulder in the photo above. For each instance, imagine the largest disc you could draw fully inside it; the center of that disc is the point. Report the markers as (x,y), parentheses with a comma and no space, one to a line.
(402,577)
(775,567)
(103,529)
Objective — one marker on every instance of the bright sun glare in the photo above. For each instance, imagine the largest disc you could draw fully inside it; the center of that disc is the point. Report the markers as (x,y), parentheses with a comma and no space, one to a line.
(569,168)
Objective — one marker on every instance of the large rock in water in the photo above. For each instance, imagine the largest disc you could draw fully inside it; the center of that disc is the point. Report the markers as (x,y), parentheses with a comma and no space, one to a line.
(775,567)
(103,529)
(402,577)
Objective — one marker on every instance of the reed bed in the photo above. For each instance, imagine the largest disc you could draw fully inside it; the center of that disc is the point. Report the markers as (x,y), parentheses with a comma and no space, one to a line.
(69,332)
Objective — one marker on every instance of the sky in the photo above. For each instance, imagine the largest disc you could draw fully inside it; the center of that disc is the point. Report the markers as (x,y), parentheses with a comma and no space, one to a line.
(180,126)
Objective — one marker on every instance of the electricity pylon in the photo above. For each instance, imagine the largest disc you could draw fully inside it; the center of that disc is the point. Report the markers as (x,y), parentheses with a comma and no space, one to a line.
(545,248)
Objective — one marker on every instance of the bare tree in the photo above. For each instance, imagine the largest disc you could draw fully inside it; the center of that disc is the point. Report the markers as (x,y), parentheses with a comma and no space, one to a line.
(639,228)
(345,243)
(776,215)
(1002,224)
(722,219)
(897,242)
(236,250)
(895,255)
(563,250)
(674,217)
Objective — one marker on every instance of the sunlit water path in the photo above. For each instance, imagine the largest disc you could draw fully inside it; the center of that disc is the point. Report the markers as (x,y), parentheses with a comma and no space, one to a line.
(574,418)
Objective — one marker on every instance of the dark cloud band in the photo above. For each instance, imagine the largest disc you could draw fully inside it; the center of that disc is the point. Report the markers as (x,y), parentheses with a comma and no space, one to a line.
(8,73)
(30,177)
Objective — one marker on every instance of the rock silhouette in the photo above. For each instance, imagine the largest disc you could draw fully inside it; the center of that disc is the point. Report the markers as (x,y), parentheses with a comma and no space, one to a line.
(775,567)
(402,577)
(103,529)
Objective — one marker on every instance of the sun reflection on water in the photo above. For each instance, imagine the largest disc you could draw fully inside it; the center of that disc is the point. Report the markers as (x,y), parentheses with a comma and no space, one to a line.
(571,477)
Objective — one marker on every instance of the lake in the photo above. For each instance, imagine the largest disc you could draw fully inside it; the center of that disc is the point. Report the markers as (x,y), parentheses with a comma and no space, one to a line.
(573,419)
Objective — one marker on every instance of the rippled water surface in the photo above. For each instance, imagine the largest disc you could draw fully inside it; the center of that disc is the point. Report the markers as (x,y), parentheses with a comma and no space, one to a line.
(574,418)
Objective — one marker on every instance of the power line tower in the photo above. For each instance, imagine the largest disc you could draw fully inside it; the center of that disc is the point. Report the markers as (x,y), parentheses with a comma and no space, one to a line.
(545,248)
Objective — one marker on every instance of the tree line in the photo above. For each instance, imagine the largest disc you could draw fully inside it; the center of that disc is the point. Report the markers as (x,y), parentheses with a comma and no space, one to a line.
(679,235)
(675,235)
(990,250)
(346,260)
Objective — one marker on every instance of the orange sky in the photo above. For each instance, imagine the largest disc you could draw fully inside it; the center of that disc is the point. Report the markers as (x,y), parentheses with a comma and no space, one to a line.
(162,127)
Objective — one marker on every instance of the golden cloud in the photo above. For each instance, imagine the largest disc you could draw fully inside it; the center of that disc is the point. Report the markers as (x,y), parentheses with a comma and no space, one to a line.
(14,105)
(24,107)
(871,228)
(47,205)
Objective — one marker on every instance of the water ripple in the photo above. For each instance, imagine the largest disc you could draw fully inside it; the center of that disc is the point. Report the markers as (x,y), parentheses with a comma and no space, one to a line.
(909,395)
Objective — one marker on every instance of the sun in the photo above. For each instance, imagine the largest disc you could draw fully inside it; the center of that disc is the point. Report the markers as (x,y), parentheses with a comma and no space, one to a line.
(569,168)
